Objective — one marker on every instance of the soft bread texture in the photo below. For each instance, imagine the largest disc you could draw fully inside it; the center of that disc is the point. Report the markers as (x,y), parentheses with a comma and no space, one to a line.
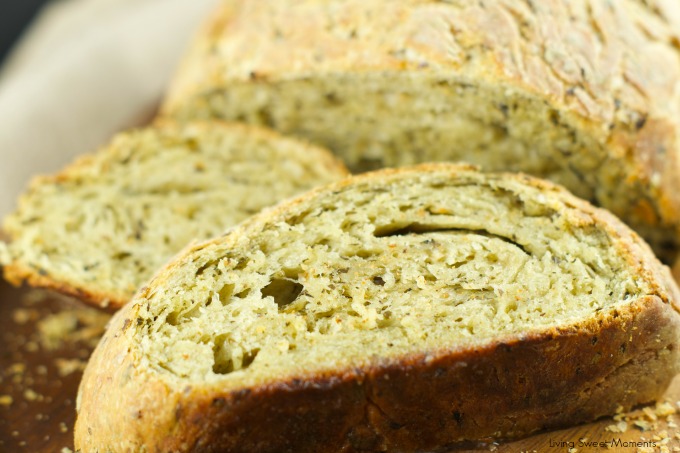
(585,93)
(403,310)
(101,227)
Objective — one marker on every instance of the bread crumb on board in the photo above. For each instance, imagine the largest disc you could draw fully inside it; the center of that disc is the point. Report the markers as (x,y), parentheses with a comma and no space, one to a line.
(71,326)
(23,315)
(619,427)
(656,421)
(645,419)
(16,368)
(49,339)
(68,366)
(32,395)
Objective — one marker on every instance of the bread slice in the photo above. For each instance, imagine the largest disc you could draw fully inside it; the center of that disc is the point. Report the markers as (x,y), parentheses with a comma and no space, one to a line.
(100,228)
(584,93)
(404,310)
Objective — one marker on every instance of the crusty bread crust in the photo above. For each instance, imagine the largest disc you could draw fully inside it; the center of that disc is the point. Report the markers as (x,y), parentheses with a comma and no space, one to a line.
(18,270)
(608,71)
(432,401)
(16,274)
(510,389)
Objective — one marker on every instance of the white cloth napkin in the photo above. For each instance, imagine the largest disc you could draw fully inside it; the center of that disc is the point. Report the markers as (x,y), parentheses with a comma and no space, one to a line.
(85,70)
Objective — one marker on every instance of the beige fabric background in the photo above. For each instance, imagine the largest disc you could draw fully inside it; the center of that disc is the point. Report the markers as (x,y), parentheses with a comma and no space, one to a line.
(84,70)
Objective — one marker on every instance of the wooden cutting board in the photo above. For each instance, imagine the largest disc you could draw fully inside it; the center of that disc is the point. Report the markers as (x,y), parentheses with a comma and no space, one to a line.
(46,339)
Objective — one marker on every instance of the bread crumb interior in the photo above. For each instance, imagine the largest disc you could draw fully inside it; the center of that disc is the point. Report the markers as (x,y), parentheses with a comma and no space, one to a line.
(390,119)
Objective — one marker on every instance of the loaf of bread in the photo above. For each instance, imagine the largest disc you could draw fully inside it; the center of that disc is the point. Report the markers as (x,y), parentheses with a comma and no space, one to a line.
(102,226)
(403,310)
(583,92)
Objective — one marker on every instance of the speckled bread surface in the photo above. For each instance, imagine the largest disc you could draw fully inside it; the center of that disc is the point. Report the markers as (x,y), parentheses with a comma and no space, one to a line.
(101,227)
(583,92)
(403,310)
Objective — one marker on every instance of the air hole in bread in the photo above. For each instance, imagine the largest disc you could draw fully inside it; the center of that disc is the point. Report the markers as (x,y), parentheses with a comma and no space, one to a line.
(225,293)
(421,228)
(174,318)
(243,294)
(283,290)
(229,358)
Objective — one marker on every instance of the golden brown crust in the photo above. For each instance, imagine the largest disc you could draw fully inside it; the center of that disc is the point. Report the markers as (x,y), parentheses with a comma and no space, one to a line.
(16,274)
(436,400)
(440,34)
(512,388)
(612,68)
